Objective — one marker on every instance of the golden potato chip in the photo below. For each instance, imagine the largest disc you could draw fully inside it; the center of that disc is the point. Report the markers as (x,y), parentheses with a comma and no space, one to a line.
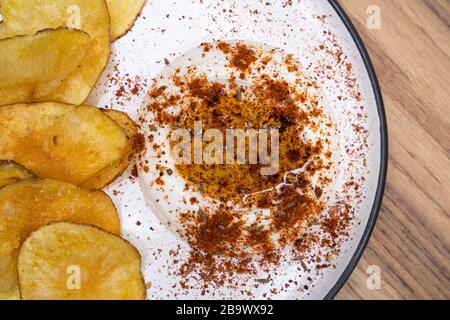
(9,287)
(11,172)
(59,141)
(33,66)
(123,15)
(107,175)
(65,261)
(13,295)
(26,17)
(30,204)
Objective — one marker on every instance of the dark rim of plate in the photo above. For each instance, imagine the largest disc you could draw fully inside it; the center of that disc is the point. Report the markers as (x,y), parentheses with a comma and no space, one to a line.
(384,152)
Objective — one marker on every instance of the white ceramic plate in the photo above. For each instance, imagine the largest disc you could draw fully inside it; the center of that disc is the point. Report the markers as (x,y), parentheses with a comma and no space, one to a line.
(321,37)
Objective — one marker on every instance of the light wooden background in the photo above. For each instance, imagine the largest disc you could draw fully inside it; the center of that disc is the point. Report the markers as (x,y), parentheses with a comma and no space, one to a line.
(411,241)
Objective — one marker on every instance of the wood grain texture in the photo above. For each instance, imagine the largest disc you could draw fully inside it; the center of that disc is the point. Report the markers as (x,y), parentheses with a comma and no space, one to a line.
(411,241)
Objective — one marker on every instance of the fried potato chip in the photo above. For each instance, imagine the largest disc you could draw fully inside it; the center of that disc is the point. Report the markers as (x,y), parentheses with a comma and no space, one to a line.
(9,287)
(13,295)
(33,66)
(27,17)
(65,261)
(11,172)
(30,204)
(123,15)
(110,173)
(59,141)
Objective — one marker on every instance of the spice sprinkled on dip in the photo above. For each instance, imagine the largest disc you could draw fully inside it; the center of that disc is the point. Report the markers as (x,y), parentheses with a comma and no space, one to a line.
(250,147)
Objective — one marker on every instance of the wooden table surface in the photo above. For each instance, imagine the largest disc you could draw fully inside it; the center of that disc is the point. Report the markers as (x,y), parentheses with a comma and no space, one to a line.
(411,241)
